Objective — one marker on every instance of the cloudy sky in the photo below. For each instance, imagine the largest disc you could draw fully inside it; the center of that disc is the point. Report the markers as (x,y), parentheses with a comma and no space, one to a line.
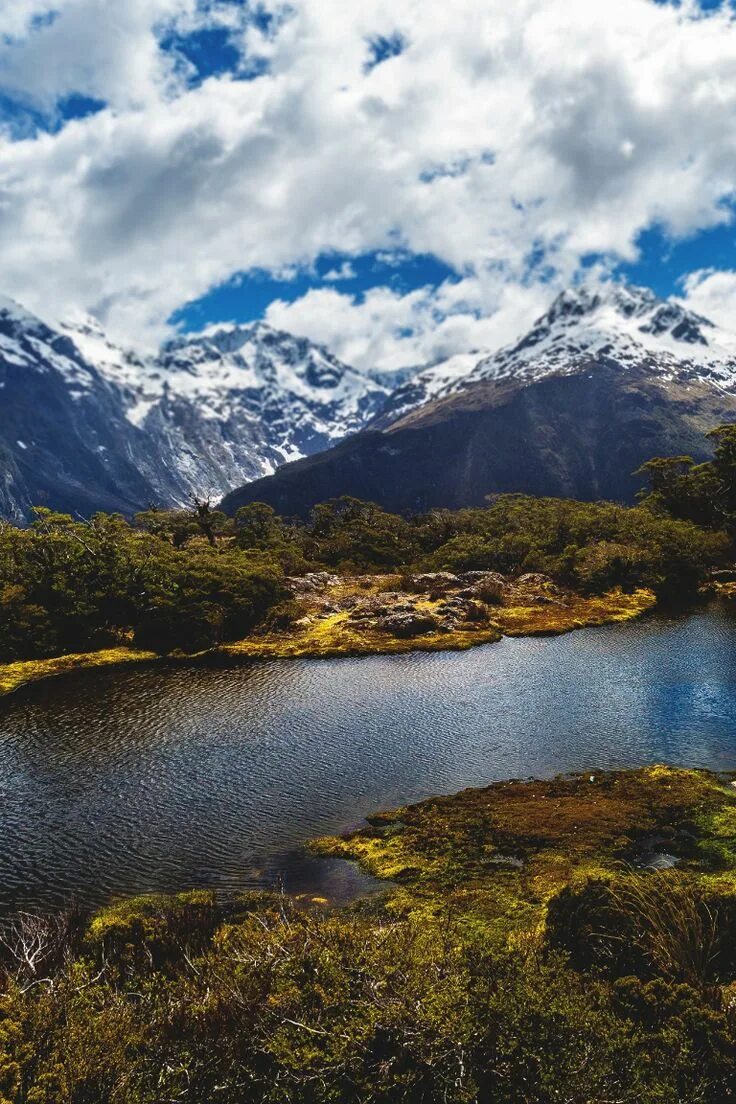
(401,179)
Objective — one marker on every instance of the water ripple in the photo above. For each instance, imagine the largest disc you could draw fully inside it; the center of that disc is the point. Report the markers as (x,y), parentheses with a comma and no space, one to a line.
(165,778)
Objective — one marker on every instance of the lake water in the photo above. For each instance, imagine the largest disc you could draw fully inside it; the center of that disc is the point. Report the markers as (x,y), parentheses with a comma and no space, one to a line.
(169,777)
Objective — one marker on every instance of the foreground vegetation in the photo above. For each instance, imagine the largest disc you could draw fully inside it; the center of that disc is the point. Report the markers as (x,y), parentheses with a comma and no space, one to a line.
(524,954)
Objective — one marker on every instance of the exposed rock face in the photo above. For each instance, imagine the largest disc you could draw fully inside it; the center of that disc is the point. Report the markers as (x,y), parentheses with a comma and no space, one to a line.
(85,425)
(409,624)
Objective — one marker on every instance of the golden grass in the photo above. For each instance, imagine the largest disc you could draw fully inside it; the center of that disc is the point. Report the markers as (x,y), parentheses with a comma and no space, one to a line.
(579,613)
(335,635)
(14,675)
(452,852)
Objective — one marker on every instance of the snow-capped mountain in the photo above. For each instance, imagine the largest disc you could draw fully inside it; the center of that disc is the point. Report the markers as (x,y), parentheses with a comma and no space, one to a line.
(627,324)
(607,378)
(86,424)
(426,384)
(630,325)
(65,440)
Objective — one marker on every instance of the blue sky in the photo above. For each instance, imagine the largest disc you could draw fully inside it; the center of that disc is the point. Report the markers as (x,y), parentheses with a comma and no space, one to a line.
(399,187)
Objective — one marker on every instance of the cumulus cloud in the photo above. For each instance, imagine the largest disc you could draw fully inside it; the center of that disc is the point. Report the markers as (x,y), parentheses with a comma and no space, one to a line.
(712,293)
(344,272)
(393,330)
(509,140)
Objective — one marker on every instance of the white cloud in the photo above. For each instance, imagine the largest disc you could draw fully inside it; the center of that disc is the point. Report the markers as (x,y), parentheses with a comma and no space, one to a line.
(543,128)
(344,272)
(390,330)
(712,293)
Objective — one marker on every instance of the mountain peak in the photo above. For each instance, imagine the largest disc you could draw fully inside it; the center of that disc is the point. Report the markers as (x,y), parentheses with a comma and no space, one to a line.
(627,300)
(620,323)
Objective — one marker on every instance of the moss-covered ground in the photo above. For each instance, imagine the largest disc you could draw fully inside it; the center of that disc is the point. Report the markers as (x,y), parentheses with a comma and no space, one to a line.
(15,675)
(516,959)
(499,854)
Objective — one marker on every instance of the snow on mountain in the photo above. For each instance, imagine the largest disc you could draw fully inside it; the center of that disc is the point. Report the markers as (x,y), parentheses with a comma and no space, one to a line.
(425,384)
(26,341)
(628,325)
(605,380)
(306,397)
(209,412)
(86,424)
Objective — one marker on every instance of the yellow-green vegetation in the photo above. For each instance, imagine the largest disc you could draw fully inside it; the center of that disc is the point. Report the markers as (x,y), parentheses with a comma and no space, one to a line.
(335,635)
(15,675)
(581,611)
(502,852)
(566,976)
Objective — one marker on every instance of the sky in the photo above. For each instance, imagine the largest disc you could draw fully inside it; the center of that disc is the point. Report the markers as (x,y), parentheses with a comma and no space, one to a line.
(398,179)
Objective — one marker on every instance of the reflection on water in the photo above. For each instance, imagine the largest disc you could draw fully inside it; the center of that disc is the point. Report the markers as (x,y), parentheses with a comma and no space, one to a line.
(166,778)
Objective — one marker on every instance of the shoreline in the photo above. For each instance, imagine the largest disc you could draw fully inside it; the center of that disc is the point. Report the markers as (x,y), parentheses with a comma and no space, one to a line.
(333,638)
(499,853)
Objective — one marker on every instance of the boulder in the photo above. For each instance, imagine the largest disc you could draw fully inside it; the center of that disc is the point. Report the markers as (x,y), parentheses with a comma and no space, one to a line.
(476,611)
(409,624)
(723,575)
(434,582)
(491,588)
(470,578)
(536,579)
(313,583)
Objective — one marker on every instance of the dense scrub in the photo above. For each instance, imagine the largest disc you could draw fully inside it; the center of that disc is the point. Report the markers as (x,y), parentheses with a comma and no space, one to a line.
(69,586)
(606,984)
(590,546)
(165,582)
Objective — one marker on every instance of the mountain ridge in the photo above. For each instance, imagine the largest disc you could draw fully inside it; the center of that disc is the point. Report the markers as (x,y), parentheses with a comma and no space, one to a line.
(604,380)
(86,424)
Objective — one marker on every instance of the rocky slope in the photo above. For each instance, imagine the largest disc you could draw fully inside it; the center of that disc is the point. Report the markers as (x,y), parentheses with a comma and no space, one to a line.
(602,382)
(86,425)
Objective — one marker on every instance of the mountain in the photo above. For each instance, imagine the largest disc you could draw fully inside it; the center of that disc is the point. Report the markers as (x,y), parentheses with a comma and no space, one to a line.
(607,378)
(424,384)
(64,438)
(86,425)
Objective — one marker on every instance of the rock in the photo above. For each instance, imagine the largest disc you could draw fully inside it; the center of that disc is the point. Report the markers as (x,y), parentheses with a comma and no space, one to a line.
(490,587)
(409,624)
(476,611)
(723,575)
(470,578)
(313,583)
(434,582)
(537,579)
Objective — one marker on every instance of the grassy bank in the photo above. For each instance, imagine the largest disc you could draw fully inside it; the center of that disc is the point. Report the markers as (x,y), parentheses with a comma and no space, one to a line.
(333,635)
(501,853)
(22,672)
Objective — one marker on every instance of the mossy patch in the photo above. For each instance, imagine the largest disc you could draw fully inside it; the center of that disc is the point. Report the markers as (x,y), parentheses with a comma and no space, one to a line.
(500,853)
(336,635)
(15,675)
(577,613)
